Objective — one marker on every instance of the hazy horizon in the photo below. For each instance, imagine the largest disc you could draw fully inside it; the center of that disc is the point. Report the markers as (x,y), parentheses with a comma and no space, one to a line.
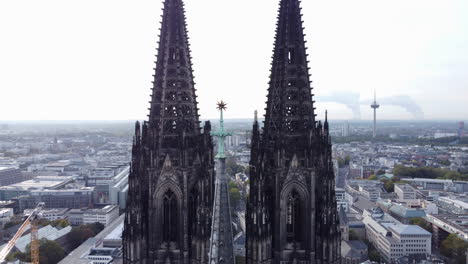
(93,60)
(232,120)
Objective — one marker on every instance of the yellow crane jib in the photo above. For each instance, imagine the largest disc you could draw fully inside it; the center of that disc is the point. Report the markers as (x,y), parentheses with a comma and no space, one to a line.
(30,220)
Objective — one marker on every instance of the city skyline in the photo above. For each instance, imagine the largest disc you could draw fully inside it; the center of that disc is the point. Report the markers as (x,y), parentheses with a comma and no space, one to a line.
(65,61)
(95,170)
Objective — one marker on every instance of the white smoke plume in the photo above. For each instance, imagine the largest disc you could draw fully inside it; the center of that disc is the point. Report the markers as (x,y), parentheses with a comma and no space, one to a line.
(403,101)
(353,102)
(349,99)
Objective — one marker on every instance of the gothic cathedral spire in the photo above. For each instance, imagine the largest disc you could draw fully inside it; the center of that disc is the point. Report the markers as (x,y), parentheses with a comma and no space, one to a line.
(290,107)
(171,181)
(173,103)
(291,212)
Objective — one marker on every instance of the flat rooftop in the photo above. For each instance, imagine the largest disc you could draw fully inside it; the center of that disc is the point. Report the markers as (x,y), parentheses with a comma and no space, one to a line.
(116,234)
(426,180)
(60,163)
(456,203)
(40,182)
(78,256)
(105,209)
(63,191)
(409,230)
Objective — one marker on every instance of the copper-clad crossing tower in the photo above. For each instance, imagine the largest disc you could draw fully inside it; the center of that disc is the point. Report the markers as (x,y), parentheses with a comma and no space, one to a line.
(171,182)
(291,212)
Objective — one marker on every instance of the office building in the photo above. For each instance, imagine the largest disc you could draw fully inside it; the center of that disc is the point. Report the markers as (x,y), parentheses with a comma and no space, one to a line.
(393,239)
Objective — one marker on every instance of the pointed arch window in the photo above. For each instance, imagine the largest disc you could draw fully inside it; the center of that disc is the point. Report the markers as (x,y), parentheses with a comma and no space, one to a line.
(294,217)
(170,220)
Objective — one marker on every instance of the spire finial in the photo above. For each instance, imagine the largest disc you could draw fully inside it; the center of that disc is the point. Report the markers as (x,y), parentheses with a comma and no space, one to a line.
(221,105)
(221,134)
(255,116)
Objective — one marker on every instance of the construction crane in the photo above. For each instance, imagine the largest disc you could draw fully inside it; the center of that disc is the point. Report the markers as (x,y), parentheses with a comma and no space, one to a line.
(32,221)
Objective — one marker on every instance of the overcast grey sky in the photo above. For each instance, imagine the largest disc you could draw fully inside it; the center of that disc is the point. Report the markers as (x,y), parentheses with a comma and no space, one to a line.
(93,59)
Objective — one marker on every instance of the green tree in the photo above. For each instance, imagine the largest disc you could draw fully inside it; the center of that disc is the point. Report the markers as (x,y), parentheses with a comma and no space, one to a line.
(96,227)
(389,185)
(232,184)
(234,196)
(452,175)
(50,252)
(422,223)
(454,248)
(232,168)
(374,255)
(61,223)
(18,255)
(444,162)
(80,234)
(11,224)
(428,172)
(41,222)
(380,172)
(353,235)
(347,160)
(373,177)
(342,162)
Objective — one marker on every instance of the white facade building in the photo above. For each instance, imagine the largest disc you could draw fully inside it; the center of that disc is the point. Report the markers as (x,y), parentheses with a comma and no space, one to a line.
(371,193)
(430,184)
(394,240)
(405,192)
(104,216)
(75,216)
(51,214)
(453,205)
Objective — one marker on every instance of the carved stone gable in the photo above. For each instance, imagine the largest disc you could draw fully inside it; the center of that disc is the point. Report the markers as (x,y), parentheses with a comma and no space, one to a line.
(294,173)
(168,173)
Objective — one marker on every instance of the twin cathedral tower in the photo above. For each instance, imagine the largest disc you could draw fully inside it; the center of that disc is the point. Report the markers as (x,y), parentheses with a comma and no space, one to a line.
(175,204)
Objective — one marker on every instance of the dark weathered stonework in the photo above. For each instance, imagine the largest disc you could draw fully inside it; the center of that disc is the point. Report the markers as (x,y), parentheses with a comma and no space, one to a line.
(291,212)
(171,182)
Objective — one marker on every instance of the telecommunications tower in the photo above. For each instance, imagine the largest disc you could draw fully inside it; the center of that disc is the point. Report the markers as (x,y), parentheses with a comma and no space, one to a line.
(374,106)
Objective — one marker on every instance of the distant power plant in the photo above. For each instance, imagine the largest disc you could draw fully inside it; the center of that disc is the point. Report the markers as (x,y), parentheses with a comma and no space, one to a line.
(374,106)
